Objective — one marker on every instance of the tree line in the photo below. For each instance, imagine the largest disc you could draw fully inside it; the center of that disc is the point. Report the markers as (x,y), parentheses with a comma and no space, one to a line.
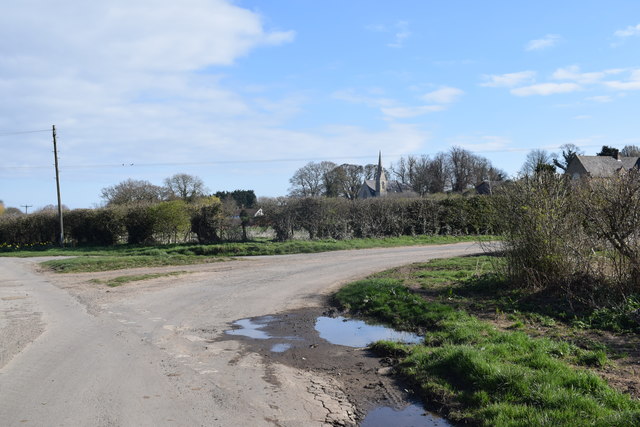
(456,170)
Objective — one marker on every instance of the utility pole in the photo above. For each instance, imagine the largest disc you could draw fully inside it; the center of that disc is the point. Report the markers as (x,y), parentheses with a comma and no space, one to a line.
(26,208)
(55,156)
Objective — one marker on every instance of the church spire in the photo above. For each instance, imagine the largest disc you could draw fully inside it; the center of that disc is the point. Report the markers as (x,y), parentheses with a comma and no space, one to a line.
(381,179)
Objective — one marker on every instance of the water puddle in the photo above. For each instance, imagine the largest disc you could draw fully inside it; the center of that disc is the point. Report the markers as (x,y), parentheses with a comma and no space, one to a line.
(290,338)
(252,328)
(412,415)
(356,333)
(281,347)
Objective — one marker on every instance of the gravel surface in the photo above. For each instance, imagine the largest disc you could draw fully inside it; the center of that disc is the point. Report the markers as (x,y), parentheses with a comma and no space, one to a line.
(154,353)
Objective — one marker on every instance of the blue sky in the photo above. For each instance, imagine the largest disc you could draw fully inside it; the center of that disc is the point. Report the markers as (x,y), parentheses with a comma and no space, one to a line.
(243,93)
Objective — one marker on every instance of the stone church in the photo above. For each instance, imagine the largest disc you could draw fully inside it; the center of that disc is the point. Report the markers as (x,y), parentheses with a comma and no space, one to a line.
(382,187)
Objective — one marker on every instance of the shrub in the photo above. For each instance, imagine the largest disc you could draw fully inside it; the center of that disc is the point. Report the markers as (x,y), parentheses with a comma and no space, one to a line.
(542,235)
(206,220)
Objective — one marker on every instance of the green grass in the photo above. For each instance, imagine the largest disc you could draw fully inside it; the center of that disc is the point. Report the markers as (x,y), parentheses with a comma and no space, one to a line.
(482,374)
(257,247)
(121,280)
(129,256)
(108,263)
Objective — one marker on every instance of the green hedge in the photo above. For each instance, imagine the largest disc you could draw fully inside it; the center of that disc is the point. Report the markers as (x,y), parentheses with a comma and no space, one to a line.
(319,218)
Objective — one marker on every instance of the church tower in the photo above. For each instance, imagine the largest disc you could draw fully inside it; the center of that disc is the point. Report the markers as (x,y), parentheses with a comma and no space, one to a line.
(381,178)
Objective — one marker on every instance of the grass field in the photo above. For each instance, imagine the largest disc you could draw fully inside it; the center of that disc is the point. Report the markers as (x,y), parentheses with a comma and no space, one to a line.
(483,372)
(127,256)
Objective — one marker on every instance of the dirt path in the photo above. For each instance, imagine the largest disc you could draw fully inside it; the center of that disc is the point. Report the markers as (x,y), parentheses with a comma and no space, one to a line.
(154,353)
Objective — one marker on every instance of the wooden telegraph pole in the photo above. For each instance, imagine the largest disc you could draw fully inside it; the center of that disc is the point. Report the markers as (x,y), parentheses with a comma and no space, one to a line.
(55,156)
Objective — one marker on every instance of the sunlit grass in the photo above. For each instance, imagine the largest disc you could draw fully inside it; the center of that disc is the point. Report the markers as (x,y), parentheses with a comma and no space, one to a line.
(481,374)
(121,280)
(125,256)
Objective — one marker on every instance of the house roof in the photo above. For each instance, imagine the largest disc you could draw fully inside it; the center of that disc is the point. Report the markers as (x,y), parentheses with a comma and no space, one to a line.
(603,166)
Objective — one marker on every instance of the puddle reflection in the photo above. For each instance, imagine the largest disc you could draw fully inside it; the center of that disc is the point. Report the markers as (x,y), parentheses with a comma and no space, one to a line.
(251,328)
(356,333)
(412,415)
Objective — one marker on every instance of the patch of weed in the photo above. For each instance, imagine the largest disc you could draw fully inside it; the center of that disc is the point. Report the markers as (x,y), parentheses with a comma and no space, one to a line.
(121,280)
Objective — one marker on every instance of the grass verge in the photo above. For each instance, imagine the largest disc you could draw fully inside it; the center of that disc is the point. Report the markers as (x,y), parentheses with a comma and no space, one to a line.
(108,263)
(483,374)
(127,256)
(121,280)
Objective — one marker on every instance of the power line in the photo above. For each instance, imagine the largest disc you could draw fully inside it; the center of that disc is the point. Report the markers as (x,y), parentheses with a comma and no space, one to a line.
(232,162)
(215,162)
(5,133)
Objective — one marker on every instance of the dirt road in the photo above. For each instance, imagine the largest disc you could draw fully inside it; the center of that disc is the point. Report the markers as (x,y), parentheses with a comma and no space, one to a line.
(150,353)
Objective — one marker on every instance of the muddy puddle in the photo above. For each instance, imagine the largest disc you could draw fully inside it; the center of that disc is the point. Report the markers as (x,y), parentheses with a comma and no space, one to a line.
(412,415)
(336,330)
(318,340)
(357,333)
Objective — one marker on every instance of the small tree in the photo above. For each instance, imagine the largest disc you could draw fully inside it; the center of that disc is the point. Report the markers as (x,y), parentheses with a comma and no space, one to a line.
(569,152)
(184,187)
(243,198)
(611,209)
(131,191)
(536,160)
(542,238)
(172,220)
(608,151)
(309,180)
(207,218)
(140,222)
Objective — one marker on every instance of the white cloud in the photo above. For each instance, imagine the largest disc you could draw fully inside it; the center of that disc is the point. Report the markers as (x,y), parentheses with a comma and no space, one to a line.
(444,95)
(573,73)
(483,143)
(132,80)
(509,79)
(401,34)
(546,89)
(632,30)
(600,98)
(394,109)
(408,112)
(547,41)
(633,83)
(352,96)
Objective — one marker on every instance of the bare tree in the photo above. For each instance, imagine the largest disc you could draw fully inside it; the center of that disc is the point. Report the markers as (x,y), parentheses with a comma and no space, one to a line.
(440,173)
(630,151)
(309,180)
(569,152)
(536,159)
(352,178)
(131,191)
(184,186)
(462,165)
(370,171)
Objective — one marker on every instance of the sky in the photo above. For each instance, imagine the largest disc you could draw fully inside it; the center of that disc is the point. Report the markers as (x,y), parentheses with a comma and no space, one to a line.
(243,93)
